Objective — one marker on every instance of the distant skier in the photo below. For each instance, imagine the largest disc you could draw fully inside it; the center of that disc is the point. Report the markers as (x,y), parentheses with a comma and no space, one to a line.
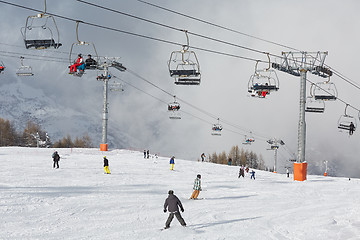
(203,157)
(242,172)
(172,162)
(351,128)
(230,160)
(287,172)
(56,159)
(144,153)
(106,165)
(148,154)
(197,187)
(252,174)
(172,203)
(247,169)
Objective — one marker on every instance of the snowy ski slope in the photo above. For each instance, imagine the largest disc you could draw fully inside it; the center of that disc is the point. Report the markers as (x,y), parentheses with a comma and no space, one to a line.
(78,201)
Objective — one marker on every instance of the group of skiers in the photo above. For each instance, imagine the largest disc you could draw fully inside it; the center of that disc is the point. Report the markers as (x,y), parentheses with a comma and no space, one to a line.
(56,159)
(243,170)
(172,203)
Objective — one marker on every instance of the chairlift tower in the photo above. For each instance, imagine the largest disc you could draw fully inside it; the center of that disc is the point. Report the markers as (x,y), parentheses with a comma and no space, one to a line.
(326,167)
(274,145)
(298,64)
(105,67)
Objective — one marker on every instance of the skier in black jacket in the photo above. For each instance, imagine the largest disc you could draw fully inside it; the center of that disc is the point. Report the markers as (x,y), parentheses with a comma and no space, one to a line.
(106,165)
(56,159)
(172,203)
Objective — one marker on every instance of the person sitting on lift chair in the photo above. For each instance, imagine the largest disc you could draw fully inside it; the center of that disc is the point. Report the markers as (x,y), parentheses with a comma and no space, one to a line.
(79,64)
(90,63)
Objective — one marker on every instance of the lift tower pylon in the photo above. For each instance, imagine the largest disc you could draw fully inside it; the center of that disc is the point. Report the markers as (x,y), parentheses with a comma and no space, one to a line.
(298,64)
(105,67)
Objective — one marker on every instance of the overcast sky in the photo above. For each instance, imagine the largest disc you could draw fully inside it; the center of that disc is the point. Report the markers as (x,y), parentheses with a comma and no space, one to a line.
(306,25)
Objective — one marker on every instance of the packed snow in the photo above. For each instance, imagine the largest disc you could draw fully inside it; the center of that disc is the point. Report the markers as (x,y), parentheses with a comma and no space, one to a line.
(79,201)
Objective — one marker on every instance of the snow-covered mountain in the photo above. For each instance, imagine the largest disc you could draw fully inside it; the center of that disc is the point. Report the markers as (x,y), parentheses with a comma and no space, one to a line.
(21,103)
(78,201)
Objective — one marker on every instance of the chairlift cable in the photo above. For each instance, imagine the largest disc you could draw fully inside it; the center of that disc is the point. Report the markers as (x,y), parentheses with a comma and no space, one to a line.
(193,106)
(32,58)
(33,55)
(160,99)
(151,38)
(217,25)
(143,36)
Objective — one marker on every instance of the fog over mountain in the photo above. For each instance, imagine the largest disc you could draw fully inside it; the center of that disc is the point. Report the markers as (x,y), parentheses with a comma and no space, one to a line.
(64,104)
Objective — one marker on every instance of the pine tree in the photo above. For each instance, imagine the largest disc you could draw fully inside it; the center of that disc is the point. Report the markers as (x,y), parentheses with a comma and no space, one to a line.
(243,159)
(31,133)
(222,158)
(8,134)
(235,155)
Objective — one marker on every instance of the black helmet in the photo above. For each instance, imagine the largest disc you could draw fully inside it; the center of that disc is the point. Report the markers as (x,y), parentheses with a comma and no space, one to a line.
(199,176)
(171,192)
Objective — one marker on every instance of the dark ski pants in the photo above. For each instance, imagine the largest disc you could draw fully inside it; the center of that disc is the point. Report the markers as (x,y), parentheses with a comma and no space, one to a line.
(56,163)
(178,216)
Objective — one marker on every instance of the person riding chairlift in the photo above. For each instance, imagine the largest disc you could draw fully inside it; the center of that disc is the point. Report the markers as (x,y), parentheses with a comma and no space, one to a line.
(351,128)
(90,63)
(79,64)
(1,68)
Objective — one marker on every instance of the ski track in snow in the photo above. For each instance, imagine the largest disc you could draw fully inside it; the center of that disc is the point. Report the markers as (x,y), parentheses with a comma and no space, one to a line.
(79,201)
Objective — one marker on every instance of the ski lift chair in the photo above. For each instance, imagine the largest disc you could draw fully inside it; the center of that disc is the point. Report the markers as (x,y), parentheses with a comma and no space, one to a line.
(173,109)
(24,71)
(184,66)
(216,129)
(325,91)
(314,106)
(248,140)
(41,31)
(345,121)
(116,87)
(2,67)
(82,46)
(263,82)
